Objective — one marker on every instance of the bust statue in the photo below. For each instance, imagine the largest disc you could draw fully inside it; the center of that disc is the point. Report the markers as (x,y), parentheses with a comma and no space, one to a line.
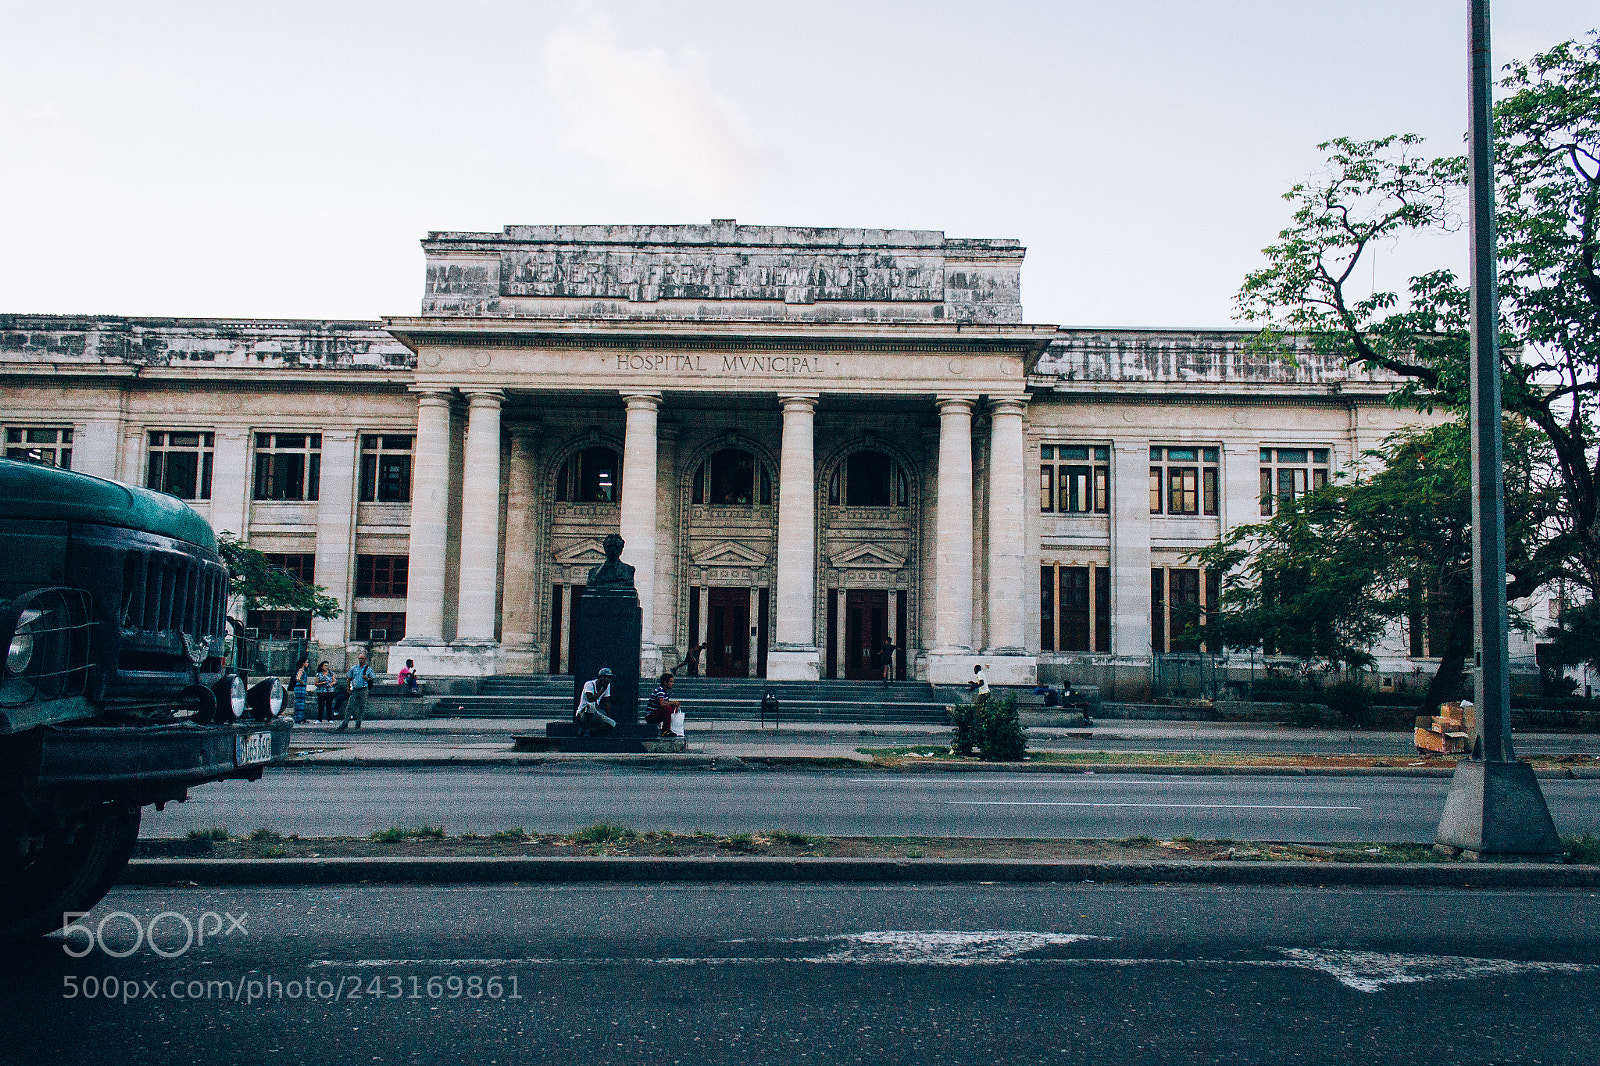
(613,573)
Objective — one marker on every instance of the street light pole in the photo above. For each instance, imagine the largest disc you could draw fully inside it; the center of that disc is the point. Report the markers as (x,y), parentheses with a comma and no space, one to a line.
(1495,808)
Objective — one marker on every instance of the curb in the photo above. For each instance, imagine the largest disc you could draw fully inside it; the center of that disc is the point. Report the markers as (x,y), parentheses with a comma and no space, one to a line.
(857,763)
(451,870)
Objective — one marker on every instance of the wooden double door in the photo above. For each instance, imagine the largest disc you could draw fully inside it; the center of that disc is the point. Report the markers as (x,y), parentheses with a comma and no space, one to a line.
(866,623)
(728,632)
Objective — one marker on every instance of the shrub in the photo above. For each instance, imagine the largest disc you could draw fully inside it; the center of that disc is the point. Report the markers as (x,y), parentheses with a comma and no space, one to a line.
(1000,735)
(1584,849)
(516,833)
(216,832)
(963,716)
(1351,701)
(264,836)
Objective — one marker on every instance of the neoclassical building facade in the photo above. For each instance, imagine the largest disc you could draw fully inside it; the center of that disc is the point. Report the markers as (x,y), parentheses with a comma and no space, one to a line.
(812,440)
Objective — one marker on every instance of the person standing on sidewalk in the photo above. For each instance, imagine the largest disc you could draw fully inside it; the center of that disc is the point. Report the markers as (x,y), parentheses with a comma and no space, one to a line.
(325,686)
(302,681)
(360,678)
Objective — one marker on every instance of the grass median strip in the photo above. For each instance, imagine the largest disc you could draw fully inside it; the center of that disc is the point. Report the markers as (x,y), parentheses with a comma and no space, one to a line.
(609,839)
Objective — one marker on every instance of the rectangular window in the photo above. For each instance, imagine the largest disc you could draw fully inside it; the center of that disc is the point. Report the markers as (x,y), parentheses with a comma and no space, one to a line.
(1184,594)
(278,625)
(1158,609)
(1184,481)
(1047,608)
(1180,600)
(1101,576)
(1074,478)
(33,444)
(385,627)
(1075,608)
(180,464)
(386,468)
(302,566)
(1289,473)
(381,575)
(288,466)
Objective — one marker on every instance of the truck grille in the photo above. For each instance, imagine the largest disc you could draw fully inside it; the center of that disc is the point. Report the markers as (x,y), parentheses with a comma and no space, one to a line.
(171,593)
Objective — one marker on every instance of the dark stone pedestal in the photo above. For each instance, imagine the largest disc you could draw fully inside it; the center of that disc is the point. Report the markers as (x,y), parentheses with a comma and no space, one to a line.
(563,736)
(1496,810)
(607,633)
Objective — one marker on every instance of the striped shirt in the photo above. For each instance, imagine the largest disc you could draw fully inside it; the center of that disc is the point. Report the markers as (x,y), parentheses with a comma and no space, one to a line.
(654,703)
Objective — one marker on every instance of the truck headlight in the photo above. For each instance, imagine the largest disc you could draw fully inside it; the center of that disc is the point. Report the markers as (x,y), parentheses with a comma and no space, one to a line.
(230,696)
(265,699)
(20,654)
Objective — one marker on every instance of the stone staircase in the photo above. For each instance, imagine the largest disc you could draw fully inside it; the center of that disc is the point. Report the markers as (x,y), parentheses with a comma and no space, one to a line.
(720,699)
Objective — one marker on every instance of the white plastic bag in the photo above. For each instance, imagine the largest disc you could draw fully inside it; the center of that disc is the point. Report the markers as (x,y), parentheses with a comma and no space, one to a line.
(677,723)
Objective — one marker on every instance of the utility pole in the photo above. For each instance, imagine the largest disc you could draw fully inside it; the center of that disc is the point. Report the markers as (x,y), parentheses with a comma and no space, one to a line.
(1495,809)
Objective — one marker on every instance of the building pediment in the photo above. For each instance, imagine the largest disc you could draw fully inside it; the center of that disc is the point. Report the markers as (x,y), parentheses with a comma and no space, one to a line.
(866,557)
(590,553)
(729,553)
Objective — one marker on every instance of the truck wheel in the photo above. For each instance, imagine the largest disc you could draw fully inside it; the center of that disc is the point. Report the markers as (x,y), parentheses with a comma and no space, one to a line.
(72,871)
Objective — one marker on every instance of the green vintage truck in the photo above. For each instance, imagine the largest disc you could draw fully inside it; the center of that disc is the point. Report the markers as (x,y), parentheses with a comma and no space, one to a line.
(115,692)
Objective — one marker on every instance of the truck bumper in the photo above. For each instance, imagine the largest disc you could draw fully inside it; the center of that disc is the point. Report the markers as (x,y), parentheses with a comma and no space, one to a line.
(148,764)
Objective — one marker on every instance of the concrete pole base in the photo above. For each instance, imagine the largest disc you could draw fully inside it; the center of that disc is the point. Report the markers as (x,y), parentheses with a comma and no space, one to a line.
(1496,811)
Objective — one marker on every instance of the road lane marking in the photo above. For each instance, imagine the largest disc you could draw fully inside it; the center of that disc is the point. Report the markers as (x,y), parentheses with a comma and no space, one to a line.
(1180,806)
(1361,971)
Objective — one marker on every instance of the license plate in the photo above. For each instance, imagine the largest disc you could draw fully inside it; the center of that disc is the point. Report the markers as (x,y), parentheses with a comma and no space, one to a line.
(254,748)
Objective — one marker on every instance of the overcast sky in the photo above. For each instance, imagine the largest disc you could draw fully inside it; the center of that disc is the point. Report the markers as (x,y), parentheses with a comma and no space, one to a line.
(283,159)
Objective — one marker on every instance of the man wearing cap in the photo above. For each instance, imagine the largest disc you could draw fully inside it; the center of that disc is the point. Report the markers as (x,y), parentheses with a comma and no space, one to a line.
(593,702)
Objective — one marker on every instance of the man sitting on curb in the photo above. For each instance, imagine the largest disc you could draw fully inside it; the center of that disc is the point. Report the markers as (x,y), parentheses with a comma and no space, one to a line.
(589,716)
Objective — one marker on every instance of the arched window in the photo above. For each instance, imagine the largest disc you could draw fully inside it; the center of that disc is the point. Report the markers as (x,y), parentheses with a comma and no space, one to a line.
(592,475)
(732,477)
(869,479)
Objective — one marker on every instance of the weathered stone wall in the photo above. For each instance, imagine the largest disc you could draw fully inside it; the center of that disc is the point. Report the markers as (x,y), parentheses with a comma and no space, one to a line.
(40,340)
(1215,356)
(723,271)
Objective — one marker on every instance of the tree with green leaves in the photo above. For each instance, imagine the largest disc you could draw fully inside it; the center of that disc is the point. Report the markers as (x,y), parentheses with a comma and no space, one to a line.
(1334,570)
(261,586)
(1547,162)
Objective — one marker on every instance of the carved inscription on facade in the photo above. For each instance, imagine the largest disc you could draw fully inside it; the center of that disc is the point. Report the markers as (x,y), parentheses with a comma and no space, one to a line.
(651,276)
(720,365)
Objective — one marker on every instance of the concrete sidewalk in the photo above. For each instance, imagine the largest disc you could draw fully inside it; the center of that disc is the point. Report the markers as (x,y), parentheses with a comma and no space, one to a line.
(478,741)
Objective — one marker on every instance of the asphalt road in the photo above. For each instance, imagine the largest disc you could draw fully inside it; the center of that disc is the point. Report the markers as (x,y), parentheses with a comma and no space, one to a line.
(785,974)
(358,801)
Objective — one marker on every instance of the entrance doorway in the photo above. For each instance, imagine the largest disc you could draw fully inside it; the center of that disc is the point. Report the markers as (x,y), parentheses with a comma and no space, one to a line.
(866,621)
(728,632)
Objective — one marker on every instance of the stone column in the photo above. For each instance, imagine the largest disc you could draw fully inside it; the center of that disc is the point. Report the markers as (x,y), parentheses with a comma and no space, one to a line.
(1130,549)
(430,520)
(480,519)
(94,449)
(950,661)
(519,616)
(1241,485)
(794,656)
(638,505)
(132,467)
(1006,549)
(667,495)
(336,528)
(230,481)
